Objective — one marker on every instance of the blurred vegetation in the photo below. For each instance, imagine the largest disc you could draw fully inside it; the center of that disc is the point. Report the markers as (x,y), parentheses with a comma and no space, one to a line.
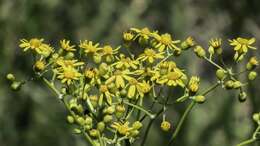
(34,117)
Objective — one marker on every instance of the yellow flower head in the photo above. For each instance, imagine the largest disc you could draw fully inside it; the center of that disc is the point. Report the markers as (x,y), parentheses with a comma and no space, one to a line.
(128,36)
(89,47)
(125,62)
(165,126)
(68,74)
(215,43)
(122,129)
(165,41)
(143,33)
(241,45)
(68,63)
(108,50)
(150,55)
(31,44)
(119,78)
(173,78)
(194,84)
(65,45)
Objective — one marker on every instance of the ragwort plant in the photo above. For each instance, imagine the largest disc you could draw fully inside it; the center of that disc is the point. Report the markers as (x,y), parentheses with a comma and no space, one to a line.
(104,88)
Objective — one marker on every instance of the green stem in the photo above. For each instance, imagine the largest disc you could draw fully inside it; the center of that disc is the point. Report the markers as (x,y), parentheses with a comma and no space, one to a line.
(187,111)
(152,116)
(246,142)
(213,63)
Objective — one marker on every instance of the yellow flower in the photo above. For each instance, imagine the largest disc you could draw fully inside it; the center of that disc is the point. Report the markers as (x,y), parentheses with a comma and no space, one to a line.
(39,65)
(150,55)
(165,126)
(173,78)
(105,93)
(65,45)
(122,129)
(125,62)
(194,84)
(108,50)
(241,46)
(128,36)
(36,45)
(68,74)
(166,41)
(119,77)
(215,43)
(189,42)
(31,44)
(137,88)
(93,75)
(143,33)
(68,63)
(89,47)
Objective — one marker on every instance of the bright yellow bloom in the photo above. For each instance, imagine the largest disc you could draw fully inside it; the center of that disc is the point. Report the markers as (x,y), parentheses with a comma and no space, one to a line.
(143,33)
(105,93)
(215,43)
(125,62)
(241,46)
(36,45)
(119,77)
(165,126)
(137,89)
(150,55)
(68,63)
(194,84)
(128,36)
(173,78)
(31,44)
(122,129)
(65,45)
(165,41)
(68,74)
(108,50)
(89,47)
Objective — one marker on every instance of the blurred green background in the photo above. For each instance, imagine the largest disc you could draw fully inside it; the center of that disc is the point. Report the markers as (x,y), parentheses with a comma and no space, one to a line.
(33,117)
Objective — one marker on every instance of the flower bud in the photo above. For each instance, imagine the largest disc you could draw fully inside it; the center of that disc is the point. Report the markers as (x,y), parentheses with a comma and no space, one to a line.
(80,121)
(200,99)
(256,117)
(123,92)
(127,36)
(70,119)
(237,84)
(252,75)
(189,42)
(242,96)
(94,100)
(88,120)
(76,131)
(110,110)
(134,133)
(10,77)
(199,51)
(15,86)
(94,133)
(39,66)
(101,126)
(220,73)
(253,62)
(107,118)
(109,58)
(103,68)
(165,126)
(137,125)
(69,55)
(97,58)
(229,84)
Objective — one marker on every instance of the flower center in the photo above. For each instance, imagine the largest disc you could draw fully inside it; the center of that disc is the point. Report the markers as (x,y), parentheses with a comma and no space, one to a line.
(35,43)
(173,75)
(166,39)
(108,50)
(149,52)
(103,88)
(69,74)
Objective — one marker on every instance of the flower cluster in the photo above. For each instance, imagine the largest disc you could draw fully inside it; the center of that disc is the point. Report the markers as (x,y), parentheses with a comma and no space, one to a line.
(104,88)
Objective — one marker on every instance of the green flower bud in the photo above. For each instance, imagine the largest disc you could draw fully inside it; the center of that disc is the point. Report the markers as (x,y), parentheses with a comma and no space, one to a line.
(10,77)
(70,119)
(88,120)
(199,51)
(189,42)
(76,131)
(252,75)
(242,96)
(137,125)
(253,62)
(109,58)
(237,84)
(229,84)
(101,126)
(15,86)
(134,133)
(219,51)
(107,118)
(94,133)
(110,110)
(80,121)
(39,66)
(88,127)
(211,50)
(220,73)
(69,55)
(200,99)
(103,68)
(177,52)
(256,117)
(97,58)
(123,92)
(165,126)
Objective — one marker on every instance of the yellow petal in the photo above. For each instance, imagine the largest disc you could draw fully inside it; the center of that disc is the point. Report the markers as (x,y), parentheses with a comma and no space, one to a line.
(131,91)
